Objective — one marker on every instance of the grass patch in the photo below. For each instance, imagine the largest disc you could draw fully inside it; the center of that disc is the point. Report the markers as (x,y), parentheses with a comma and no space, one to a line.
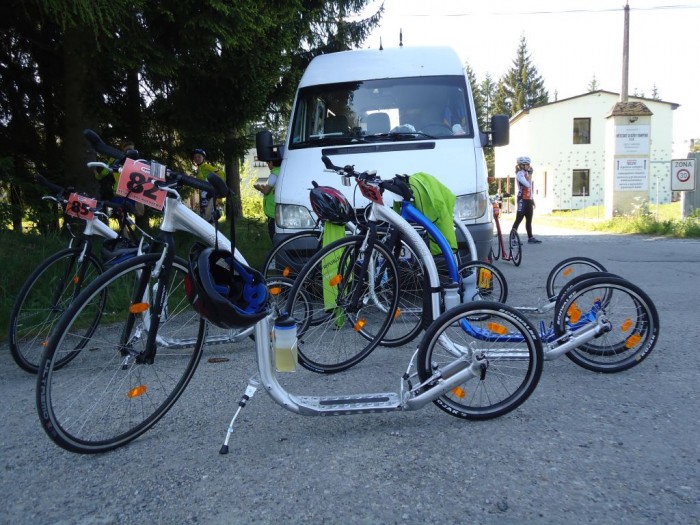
(655,220)
(22,252)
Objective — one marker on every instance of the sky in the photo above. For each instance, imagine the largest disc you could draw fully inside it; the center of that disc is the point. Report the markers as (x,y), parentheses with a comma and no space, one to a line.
(570,42)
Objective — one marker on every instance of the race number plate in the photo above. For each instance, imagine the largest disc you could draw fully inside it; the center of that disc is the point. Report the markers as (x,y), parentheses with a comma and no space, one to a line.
(81,207)
(137,183)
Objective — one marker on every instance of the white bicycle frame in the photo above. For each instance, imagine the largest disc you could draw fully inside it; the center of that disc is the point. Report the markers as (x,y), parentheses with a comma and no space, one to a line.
(178,217)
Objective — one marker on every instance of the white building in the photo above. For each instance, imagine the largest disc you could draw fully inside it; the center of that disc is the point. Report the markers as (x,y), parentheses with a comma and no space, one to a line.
(566,141)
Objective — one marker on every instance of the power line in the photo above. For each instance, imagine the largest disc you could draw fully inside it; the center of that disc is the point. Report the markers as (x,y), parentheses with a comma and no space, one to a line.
(565,11)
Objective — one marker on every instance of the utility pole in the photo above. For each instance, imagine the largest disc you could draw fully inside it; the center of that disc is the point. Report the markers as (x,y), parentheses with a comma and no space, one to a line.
(625,55)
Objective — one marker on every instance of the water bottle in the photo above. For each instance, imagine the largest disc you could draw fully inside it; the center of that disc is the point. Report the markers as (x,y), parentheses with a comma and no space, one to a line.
(451,295)
(285,344)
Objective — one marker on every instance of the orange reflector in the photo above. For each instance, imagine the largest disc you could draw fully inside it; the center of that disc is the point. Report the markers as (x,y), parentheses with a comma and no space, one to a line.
(275,290)
(459,392)
(76,279)
(138,308)
(567,271)
(485,278)
(633,340)
(136,391)
(45,343)
(286,272)
(335,280)
(626,325)
(359,325)
(497,328)
(574,313)
(397,313)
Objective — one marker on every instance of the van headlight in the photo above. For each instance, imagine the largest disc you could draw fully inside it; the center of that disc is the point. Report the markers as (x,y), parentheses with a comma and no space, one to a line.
(294,217)
(471,206)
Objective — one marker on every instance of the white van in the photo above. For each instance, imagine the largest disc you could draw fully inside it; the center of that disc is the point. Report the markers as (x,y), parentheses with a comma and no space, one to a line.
(396,111)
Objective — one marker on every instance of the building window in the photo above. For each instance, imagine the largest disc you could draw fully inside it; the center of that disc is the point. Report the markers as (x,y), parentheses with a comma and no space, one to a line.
(580,183)
(582,131)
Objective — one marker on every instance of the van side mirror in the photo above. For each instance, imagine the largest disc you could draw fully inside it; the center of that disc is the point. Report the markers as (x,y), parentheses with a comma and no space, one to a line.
(264,147)
(500,130)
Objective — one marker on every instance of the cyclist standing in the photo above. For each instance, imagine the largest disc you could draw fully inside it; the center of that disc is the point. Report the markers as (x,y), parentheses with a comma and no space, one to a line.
(203,169)
(526,204)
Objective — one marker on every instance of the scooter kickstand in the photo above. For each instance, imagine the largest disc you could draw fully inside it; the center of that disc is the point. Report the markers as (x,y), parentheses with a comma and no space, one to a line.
(253,385)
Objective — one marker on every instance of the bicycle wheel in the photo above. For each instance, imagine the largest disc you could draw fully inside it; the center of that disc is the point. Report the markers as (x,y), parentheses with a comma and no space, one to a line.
(566,270)
(350,310)
(41,301)
(289,257)
(480,281)
(503,343)
(515,248)
(628,313)
(111,393)
(564,291)
(408,320)
(496,247)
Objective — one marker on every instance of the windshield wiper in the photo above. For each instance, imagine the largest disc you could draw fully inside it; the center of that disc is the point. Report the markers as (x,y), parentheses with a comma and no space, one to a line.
(400,135)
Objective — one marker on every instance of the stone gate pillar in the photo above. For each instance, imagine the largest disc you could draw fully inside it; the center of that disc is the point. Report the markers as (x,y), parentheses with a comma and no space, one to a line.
(627,148)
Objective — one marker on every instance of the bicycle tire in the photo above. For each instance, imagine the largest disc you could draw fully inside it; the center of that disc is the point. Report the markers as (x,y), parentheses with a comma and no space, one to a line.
(633,323)
(335,335)
(481,281)
(408,320)
(288,257)
(566,270)
(108,395)
(512,352)
(496,247)
(515,248)
(576,280)
(44,296)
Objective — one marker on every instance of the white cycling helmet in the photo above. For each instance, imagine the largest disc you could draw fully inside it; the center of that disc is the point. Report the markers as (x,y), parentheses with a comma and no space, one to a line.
(524,160)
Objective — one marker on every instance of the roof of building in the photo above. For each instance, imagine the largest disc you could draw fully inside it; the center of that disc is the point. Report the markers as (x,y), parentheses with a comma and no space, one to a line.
(631,107)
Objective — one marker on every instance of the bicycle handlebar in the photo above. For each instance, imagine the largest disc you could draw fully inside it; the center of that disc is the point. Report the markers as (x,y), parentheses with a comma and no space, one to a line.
(100,146)
(187,180)
(398,185)
(219,185)
(55,188)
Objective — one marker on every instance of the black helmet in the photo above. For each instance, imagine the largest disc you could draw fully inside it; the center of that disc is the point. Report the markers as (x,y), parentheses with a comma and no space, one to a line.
(330,205)
(117,250)
(228,300)
(200,151)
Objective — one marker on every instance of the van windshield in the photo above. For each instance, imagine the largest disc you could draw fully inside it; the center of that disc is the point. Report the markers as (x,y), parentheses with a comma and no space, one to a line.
(416,108)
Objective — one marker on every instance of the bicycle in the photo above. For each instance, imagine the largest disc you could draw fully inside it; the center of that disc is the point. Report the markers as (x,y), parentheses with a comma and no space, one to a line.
(128,370)
(498,248)
(352,284)
(603,323)
(288,257)
(57,280)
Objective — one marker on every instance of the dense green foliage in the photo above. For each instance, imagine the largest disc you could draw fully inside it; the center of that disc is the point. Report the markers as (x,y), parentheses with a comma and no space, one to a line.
(170,76)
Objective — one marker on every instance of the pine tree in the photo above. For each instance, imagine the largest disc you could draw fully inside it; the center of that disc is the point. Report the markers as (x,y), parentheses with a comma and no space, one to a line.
(487,92)
(522,87)
(593,85)
(479,103)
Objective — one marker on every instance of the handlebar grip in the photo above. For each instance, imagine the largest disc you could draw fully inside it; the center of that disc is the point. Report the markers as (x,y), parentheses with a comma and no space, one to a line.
(100,146)
(219,185)
(328,164)
(48,184)
(399,187)
(192,182)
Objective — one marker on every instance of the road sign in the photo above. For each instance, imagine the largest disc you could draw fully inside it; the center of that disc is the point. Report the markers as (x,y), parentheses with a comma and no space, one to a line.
(683,175)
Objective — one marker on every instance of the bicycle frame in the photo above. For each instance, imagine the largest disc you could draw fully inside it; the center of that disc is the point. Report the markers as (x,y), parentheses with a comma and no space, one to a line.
(405,400)
(506,256)
(178,217)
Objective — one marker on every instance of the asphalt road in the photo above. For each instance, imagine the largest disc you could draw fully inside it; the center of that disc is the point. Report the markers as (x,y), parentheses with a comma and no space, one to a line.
(585,448)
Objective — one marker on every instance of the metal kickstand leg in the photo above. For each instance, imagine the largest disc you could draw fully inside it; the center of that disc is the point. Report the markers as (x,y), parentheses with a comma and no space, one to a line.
(253,385)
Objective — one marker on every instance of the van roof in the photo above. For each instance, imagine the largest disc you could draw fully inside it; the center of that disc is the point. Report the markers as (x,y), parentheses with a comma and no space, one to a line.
(367,64)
